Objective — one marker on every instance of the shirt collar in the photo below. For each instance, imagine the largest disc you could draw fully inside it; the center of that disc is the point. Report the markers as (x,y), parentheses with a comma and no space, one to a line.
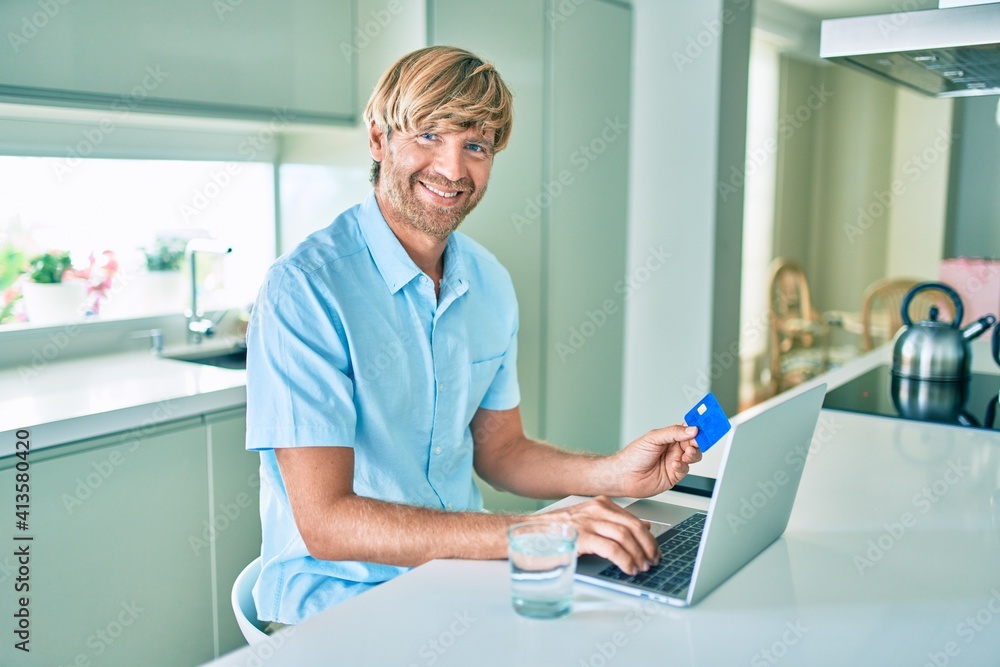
(390,256)
(394,263)
(456,278)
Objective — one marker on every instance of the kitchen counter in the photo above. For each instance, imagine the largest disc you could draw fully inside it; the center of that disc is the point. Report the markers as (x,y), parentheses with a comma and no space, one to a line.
(64,401)
(890,558)
(982,362)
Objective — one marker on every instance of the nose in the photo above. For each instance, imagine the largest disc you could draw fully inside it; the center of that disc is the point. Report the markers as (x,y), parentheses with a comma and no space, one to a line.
(449,161)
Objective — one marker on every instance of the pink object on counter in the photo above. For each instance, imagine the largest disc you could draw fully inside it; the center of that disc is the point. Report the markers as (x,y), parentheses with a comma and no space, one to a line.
(977,281)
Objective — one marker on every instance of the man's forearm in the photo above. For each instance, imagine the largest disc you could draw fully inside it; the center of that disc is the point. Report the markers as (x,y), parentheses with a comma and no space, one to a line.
(365,529)
(539,470)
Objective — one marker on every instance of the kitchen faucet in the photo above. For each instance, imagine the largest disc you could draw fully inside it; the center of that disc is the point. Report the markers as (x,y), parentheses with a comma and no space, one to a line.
(199,327)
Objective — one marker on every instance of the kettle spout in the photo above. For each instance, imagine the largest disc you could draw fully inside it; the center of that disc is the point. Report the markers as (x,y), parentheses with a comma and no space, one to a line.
(979,327)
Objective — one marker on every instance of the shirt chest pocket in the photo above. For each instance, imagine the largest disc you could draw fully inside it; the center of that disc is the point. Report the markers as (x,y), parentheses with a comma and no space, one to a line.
(481,375)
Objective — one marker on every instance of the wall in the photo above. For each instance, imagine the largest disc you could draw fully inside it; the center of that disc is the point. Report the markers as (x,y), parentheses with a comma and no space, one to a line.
(920,158)
(333,161)
(854,151)
(677,113)
(862,180)
(974,201)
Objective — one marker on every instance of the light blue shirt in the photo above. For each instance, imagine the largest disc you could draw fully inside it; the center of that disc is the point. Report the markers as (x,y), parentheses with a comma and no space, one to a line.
(348,346)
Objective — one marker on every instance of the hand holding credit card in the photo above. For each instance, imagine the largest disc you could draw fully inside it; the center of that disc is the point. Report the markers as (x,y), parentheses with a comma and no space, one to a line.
(711,421)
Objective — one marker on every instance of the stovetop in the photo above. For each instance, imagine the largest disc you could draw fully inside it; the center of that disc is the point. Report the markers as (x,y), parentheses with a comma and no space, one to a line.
(972,405)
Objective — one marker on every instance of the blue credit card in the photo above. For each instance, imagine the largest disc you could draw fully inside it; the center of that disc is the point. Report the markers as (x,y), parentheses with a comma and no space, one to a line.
(711,421)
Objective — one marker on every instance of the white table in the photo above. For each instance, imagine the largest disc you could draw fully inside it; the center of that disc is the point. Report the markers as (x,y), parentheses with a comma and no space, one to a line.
(848,583)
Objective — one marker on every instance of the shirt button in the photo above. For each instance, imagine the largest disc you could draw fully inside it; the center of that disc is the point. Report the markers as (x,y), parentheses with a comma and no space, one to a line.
(437,450)
(450,506)
(441,387)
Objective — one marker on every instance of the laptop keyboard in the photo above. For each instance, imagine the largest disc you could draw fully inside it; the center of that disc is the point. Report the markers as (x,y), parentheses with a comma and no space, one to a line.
(678,549)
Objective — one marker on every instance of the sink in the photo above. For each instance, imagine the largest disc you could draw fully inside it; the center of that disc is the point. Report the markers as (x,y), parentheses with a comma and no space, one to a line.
(235,357)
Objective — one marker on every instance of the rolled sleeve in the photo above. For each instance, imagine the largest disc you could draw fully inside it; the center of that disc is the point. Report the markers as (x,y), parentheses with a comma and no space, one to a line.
(299,389)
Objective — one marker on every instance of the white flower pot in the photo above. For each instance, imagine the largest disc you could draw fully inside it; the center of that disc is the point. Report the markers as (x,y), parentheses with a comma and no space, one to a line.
(54,303)
(146,293)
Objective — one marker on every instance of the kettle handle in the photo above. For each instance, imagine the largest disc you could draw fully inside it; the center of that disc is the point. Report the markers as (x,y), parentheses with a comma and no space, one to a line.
(996,343)
(959,309)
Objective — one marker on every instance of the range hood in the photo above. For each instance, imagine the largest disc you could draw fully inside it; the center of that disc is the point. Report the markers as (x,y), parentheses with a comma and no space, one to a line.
(953,51)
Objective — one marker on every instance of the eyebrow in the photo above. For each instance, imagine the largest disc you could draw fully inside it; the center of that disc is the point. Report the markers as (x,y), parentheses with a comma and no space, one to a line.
(481,139)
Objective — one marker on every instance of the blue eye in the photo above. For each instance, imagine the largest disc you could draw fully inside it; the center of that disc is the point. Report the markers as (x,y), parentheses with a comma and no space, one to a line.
(477,148)
(428,136)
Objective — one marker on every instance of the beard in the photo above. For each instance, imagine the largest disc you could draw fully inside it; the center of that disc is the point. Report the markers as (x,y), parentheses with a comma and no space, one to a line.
(436,221)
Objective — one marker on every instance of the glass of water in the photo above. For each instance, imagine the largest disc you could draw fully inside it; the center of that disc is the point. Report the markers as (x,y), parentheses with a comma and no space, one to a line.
(542,565)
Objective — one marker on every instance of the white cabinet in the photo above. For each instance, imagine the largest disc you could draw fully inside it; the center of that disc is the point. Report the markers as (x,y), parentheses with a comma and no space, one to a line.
(131,533)
(230,58)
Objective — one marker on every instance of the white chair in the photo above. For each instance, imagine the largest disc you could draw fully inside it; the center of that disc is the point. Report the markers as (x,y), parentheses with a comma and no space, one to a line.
(243,605)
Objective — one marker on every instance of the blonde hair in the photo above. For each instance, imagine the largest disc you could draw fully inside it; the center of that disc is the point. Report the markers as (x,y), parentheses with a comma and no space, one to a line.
(441,89)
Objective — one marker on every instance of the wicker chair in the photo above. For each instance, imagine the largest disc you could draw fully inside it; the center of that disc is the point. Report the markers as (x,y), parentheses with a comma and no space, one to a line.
(881,309)
(799,337)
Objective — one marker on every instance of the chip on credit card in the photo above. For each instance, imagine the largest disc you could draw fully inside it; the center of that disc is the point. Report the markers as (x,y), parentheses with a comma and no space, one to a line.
(711,421)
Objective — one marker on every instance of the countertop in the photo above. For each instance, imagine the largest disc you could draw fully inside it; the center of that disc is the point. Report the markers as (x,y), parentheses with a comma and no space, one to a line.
(65,401)
(890,558)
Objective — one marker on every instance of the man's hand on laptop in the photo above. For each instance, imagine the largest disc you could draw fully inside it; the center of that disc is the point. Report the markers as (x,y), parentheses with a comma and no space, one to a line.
(656,461)
(609,531)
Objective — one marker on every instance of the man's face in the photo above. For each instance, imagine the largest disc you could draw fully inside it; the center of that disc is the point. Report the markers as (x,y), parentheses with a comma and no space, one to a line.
(430,182)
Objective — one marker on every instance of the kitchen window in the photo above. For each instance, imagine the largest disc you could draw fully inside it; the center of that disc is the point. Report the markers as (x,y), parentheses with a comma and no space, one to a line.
(123,223)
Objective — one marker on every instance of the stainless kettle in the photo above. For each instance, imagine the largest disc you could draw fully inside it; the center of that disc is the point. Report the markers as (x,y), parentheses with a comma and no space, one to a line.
(935,350)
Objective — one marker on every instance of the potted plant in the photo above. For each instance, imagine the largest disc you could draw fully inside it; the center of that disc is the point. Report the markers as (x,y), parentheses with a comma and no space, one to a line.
(150,282)
(13,264)
(166,255)
(164,287)
(52,294)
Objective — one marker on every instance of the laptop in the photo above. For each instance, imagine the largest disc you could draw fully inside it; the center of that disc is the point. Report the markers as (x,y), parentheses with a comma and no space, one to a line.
(753,498)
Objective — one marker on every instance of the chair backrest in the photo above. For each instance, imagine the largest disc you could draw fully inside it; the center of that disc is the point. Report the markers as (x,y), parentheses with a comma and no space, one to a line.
(789,291)
(243,605)
(887,296)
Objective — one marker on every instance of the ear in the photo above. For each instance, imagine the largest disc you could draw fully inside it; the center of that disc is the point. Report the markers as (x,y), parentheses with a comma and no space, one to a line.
(378,142)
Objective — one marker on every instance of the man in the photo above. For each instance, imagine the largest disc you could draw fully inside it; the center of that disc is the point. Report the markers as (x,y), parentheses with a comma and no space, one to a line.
(381,371)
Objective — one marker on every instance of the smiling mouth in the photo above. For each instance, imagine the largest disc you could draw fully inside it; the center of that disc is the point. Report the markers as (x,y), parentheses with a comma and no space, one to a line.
(440,193)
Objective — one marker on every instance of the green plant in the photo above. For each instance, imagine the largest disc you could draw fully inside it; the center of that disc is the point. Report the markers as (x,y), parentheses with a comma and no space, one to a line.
(165,255)
(49,267)
(12,265)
